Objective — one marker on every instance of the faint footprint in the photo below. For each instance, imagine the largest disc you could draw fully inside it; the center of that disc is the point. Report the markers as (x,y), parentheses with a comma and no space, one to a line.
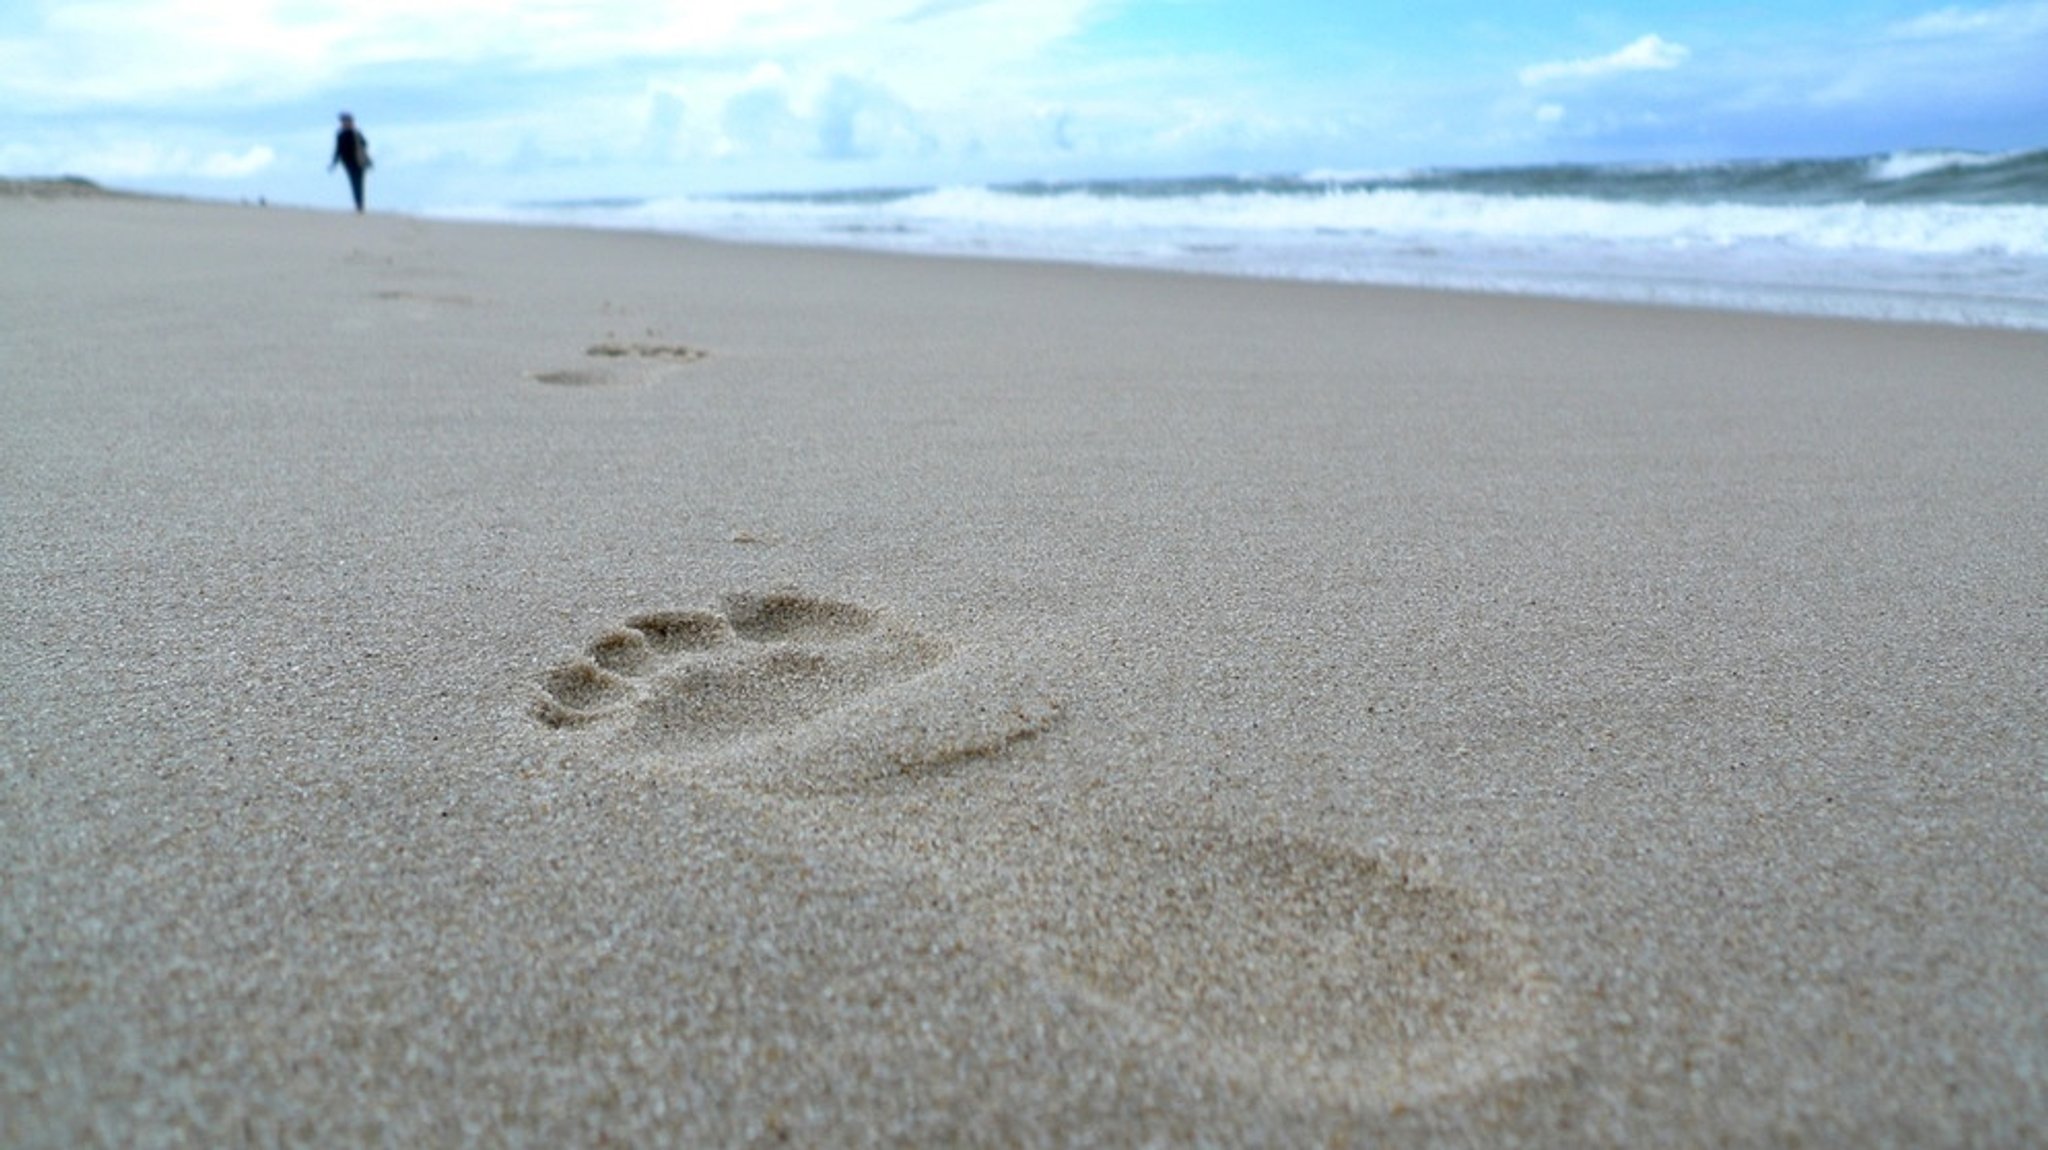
(628,363)
(1308,969)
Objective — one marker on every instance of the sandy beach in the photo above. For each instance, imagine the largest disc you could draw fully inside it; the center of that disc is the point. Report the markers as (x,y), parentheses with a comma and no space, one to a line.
(473,685)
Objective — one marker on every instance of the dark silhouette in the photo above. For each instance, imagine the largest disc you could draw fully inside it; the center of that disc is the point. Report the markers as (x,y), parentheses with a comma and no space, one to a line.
(352,152)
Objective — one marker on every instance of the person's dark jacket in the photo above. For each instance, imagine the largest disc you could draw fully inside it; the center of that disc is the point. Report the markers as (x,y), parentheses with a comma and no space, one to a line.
(352,150)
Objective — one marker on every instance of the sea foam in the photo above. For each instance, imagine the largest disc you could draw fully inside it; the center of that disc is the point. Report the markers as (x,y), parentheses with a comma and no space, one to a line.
(1948,237)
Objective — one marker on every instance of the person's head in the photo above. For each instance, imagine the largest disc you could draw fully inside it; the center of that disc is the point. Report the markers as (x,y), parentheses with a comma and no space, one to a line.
(347,121)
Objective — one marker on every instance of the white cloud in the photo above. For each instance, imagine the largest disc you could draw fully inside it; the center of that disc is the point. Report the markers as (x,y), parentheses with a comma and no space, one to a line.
(1947,22)
(230,166)
(133,51)
(1651,53)
(759,119)
(140,160)
(841,118)
(1964,61)
(857,120)
(2000,22)
(108,52)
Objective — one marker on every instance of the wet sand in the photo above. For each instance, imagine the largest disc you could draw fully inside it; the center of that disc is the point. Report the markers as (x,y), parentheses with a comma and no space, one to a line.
(467,684)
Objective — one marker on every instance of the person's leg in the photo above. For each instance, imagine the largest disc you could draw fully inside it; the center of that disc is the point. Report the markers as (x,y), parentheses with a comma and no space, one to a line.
(355,185)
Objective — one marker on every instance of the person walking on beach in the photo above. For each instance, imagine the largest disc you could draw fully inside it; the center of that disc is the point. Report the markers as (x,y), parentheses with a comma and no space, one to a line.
(352,152)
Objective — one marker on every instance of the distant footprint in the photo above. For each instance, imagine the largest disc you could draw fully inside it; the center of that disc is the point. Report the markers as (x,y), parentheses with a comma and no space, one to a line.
(627,363)
(450,299)
(659,351)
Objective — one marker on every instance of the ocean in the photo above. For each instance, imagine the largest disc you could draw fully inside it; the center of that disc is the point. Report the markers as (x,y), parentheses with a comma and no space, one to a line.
(1936,236)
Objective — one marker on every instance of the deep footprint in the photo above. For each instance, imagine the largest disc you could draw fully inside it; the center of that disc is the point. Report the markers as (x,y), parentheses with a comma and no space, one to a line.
(695,681)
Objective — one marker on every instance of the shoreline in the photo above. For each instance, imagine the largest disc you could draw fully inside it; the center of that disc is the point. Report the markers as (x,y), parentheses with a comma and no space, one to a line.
(1880,242)
(567,684)
(1708,305)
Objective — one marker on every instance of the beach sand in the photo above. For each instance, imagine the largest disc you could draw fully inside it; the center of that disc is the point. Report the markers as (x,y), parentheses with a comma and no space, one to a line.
(530,687)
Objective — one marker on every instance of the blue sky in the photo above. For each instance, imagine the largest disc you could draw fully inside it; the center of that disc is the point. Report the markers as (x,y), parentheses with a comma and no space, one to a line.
(471,101)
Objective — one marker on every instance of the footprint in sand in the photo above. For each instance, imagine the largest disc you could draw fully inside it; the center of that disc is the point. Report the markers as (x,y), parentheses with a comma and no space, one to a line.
(789,693)
(1304,968)
(696,679)
(1307,969)
(628,363)
(449,299)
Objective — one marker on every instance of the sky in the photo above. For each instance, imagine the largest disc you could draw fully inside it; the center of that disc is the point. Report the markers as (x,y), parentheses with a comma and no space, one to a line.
(469,102)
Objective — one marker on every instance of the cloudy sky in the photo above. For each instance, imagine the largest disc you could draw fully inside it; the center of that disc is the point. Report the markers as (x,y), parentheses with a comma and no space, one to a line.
(469,101)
